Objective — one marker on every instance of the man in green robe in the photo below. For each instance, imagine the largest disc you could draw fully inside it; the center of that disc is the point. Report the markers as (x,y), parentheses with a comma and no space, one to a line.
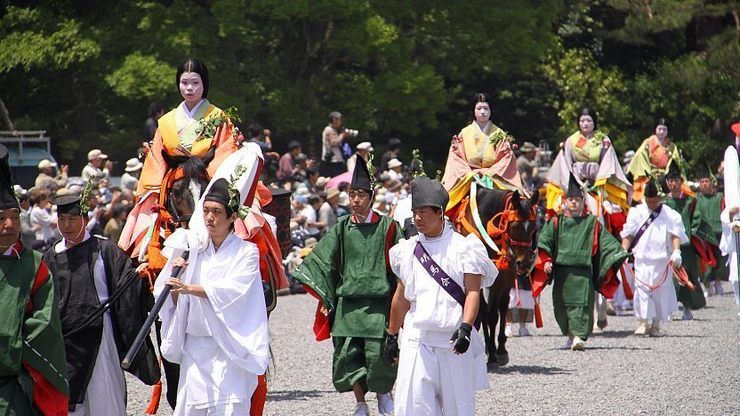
(686,206)
(710,204)
(33,373)
(349,272)
(580,257)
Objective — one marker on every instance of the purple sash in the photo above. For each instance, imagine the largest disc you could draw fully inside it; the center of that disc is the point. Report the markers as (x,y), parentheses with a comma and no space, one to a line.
(441,277)
(644,227)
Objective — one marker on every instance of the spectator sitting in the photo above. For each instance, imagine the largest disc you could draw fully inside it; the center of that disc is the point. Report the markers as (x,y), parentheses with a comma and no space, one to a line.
(343,202)
(130,179)
(27,233)
(321,183)
(288,168)
(328,210)
(395,169)
(312,176)
(50,180)
(98,166)
(313,226)
(394,147)
(363,150)
(43,221)
(114,226)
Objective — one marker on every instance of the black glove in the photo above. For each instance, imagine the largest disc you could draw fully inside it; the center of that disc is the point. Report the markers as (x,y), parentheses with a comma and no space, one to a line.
(461,338)
(391,348)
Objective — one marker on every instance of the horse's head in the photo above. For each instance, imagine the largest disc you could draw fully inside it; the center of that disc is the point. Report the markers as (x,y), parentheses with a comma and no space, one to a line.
(521,243)
(190,181)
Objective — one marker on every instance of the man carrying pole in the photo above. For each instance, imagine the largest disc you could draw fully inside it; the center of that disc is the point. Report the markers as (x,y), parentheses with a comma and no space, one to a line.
(103,302)
(730,242)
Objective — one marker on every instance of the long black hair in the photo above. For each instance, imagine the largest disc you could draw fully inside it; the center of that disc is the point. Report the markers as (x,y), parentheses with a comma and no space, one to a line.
(194,65)
(480,97)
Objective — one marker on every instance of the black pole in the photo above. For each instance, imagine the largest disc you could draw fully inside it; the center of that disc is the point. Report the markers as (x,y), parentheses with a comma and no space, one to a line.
(144,331)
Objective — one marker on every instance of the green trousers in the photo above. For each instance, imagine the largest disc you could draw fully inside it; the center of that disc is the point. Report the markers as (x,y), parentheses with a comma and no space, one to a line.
(573,300)
(361,360)
(692,299)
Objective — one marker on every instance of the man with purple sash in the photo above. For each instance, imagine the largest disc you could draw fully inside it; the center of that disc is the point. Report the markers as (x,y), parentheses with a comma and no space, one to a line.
(441,359)
(654,233)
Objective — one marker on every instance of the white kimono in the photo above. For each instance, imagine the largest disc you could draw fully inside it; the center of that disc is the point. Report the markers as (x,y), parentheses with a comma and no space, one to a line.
(727,243)
(432,379)
(222,342)
(655,295)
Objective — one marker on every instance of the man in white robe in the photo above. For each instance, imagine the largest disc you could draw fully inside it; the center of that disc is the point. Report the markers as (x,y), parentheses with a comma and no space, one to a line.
(214,324)
(730,217)
(441,362)
(654,233)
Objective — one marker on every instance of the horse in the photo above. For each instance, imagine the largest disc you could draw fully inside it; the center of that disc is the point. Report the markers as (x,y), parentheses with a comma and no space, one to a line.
(510,224)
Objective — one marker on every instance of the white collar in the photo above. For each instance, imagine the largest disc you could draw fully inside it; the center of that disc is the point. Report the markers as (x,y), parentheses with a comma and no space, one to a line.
(446,232)
(191,113)
(62,245)
(226,242)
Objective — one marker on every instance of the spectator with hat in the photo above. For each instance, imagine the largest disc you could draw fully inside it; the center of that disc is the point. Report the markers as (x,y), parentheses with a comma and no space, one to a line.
(526,163)
(98,167)
(48,178)
(363,150)
(328,210)
(395,169)
(130,179)
(288,167)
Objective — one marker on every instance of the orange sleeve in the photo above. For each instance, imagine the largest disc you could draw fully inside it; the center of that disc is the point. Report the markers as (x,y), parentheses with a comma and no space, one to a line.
(154,167)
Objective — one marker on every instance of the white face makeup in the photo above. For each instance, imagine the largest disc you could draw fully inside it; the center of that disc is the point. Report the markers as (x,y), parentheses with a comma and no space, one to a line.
(661,132)
(191,88)
(482,112)
(586,124)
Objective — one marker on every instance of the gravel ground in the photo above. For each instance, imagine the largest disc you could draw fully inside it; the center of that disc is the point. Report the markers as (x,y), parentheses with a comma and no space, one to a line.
(694,369)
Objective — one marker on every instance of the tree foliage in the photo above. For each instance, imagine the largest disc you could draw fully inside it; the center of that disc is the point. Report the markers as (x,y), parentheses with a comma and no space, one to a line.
(86,71)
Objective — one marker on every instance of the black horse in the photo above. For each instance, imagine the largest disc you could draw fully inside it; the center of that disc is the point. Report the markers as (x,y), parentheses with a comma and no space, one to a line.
(510,221)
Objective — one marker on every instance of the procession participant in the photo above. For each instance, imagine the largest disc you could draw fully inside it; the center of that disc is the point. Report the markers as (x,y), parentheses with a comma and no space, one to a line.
(581,258)
(686,206)
(590,156)
(441,362)
(653,234)
(214,324)
(348,271)
(653,159)
(481,150)
(195,128)
(730,242)
(103,303)
(33,376)
(710,203)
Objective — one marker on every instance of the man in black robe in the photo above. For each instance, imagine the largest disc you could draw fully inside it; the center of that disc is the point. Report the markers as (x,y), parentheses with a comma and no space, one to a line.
(103,304)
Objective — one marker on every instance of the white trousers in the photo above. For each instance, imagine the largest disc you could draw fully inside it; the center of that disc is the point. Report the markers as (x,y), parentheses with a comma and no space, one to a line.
(657,304)
(434,381)
(106,392)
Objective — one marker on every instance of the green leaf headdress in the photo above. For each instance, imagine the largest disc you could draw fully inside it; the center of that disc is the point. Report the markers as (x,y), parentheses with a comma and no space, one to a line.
(85,197)
(416,167)
(234,195)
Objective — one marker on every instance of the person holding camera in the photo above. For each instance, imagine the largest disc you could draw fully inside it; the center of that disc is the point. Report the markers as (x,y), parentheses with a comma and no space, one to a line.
(332,139)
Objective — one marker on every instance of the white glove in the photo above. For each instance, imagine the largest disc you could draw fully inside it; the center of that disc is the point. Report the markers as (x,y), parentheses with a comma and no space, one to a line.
(676,258)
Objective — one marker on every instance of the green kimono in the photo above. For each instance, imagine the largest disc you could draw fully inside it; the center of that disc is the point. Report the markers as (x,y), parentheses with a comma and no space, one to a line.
(348,271)
(692,299)
(570,246)
(30,339)
(710,230)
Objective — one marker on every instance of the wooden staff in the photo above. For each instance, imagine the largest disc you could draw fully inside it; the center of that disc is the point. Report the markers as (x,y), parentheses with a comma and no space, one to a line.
(144,331)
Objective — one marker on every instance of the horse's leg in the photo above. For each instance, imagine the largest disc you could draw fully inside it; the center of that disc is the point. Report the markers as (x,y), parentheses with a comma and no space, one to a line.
(601,311)
(491,323)
(483,311)
(502,356)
